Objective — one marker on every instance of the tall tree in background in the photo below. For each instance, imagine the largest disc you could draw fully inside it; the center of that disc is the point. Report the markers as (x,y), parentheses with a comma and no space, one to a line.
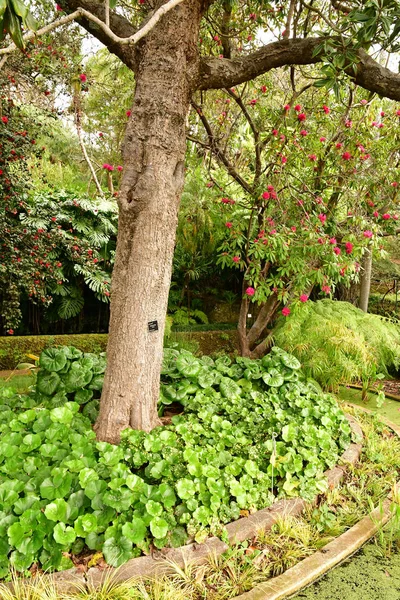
(194,45)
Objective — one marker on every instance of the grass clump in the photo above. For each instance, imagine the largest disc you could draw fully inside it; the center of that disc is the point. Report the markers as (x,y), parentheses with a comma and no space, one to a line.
(338,343)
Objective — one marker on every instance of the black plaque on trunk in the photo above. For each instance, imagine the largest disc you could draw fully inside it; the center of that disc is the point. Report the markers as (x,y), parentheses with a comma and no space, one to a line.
(153,325)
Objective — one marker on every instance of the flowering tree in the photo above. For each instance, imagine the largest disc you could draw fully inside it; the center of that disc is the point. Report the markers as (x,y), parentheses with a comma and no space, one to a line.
(161,41)
(311,192)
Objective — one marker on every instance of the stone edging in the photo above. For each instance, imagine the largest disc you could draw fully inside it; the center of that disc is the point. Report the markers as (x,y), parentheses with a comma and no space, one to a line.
(313,567)
(237,531)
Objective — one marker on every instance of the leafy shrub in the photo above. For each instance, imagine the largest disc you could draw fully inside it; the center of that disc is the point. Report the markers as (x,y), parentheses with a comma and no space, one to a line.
(339,343)
(251,431)
(67,374)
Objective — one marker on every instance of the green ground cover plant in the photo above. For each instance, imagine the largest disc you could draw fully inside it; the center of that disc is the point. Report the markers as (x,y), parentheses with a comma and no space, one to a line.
(251,432)
(338,343)
(271,552)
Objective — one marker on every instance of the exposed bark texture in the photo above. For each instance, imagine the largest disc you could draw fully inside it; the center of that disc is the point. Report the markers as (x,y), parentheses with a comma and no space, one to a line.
(217,73)
(365,281)
(154,153)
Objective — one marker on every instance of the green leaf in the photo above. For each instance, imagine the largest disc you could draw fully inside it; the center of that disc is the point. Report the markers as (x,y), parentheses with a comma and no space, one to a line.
(64,534)
(185,488)
(135,530)
(117,551)
(188,365)
(154,509)
(229,388)
(57,510)
(53,359)
(47,383)
(159,527)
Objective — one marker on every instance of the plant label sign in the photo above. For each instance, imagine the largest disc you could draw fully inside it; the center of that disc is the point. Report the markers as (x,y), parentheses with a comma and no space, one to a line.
(153,325)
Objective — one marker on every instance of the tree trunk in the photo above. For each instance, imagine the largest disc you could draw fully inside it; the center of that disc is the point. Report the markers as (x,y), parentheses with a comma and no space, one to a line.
(365,282)
(154,154)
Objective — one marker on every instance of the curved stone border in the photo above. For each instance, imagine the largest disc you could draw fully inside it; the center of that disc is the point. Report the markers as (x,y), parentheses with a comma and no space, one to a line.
(237,531)
(312,568)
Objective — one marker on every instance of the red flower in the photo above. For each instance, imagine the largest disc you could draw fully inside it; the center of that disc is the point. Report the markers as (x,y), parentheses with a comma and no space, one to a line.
(263,89)
(119,168)
(294,229)
(128,113)
(375,214)
(253,102)
(346,156)
(337,251)
(266,195)
(326,289)
(348,123)
(58,8)
(363,102)
(322,218)
(4,119)
(83,77)
(339,145)
(229,225)
(297,108)
(303,132)
(236,259)
(326,109)
(312,157)
(286,107)
(322,139)
(349,247)
(284,160)
(10,331)
(303,298)
(398,113)
(275,132)
(368,234)
(101,134)
(386,216)
(286,311)
(382,113)
(301,117)
(250,291)
(394,184)
(54,219)
(333,241)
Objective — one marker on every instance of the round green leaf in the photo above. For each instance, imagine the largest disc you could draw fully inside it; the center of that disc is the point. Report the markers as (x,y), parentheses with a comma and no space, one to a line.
(135,531)
(159,527)
(117,551)
(53,359)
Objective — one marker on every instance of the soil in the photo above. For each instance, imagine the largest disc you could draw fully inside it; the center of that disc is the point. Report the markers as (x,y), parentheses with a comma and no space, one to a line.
(392,386)
(366,576)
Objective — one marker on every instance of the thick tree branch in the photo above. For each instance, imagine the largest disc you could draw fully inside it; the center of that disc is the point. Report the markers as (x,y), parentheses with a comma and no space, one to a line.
(94,24)
(216,73)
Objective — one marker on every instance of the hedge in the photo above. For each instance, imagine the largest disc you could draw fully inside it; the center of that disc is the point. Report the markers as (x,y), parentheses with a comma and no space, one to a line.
(13,350)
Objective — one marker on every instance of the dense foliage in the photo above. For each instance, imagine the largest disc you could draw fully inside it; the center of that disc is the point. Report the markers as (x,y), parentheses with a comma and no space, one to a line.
(338,343)
(251,431)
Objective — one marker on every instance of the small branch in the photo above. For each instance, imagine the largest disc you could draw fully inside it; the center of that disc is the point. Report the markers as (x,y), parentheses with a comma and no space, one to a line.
(107,10)
(255,131)
(216,149)
(82,143)
(81,12)
(289,18)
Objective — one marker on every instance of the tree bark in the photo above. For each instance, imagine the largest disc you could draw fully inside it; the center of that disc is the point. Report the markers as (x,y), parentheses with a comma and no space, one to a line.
(365,282)
(154,154)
